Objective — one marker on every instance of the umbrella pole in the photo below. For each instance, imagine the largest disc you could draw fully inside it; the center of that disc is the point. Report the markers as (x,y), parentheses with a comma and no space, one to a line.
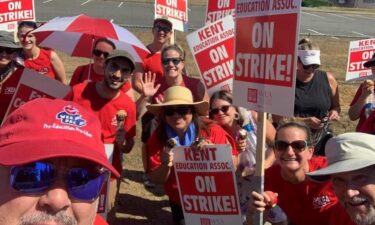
(92,46)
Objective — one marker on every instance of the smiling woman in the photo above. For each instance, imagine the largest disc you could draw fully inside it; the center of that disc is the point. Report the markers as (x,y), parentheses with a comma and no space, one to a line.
(303,201)
(180,121)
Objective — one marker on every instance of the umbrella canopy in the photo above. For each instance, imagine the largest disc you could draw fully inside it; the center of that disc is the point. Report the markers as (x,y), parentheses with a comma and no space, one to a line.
(75,36)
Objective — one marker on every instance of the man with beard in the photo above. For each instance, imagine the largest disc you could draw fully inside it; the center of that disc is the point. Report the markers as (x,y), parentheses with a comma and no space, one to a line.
(52,165)
(351,167)
(106,99)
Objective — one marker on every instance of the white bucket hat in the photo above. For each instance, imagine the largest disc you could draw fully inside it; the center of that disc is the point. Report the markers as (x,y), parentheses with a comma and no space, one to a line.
(347,152)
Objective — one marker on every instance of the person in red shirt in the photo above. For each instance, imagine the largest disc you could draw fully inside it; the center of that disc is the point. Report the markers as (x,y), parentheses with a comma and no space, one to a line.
(179,120)
(173,62)
(304,202)
(44,61)
(53,166)
(95,71)
(351,165)
(10,70)
(162,32)
(106,100)
(363,96)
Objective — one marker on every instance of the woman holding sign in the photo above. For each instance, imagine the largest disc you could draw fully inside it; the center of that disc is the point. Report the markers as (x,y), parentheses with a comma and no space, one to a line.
(236,120)
(180,124)
(363,102)
(304,202)
(316,94)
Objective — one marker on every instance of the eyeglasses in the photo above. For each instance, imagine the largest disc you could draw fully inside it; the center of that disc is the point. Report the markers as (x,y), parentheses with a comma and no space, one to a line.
(298,146)
(98,53)
(160,29)
(81,184)
(175,61)
(7,50)
(180,110)
(223,108)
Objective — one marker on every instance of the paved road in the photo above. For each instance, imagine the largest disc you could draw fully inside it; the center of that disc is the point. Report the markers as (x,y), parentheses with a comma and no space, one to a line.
(336,24)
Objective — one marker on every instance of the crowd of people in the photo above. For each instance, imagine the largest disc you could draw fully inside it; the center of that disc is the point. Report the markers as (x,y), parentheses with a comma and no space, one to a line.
(52,151)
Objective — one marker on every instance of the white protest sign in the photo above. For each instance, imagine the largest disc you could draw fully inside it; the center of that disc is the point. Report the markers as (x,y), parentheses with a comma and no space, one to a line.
(359,52)
(175,10)
(266,36)
(212,48)
(103,196)
(218,9)
(207,185)
(33,85)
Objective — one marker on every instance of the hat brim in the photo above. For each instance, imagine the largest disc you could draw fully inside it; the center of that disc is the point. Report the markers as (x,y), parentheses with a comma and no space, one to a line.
(369,64)
(200,107)
(339,167)
(34,150)
(9,45)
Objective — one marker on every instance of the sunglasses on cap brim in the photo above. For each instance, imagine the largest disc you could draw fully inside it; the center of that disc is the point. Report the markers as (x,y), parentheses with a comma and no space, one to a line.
(82,184)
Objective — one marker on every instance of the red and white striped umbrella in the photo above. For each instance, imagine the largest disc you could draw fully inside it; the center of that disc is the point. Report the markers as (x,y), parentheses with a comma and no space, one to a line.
(75,36)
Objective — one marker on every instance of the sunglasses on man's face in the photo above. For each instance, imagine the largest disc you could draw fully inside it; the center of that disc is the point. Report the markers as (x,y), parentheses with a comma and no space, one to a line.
(82,184)
(297,146)
(98,53)
(180,110)
(7,50)
(175,61)
(161,28)
(223,108)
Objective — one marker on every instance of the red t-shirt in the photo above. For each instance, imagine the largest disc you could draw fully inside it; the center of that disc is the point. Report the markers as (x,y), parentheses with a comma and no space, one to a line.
(7,90)
(81,74)
(307,203)
(189,82)
(99,220)
(153,63)
(86,95)
(154,147)
(362,116)
(42,64)
(339,216)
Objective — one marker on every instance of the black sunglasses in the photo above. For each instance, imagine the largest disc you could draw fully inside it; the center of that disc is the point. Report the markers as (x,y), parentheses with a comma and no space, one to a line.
(7,50)
(175,61)
(298,146)
(160,29)
(180,110)
(223,108)
(98,53)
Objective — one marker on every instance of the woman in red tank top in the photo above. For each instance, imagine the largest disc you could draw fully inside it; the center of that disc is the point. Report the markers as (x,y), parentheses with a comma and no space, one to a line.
(44,61)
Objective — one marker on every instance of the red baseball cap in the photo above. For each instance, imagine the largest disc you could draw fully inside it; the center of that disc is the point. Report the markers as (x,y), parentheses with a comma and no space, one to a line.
(45,128)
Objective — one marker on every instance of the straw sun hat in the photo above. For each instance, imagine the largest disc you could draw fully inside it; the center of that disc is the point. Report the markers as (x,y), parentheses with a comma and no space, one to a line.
(178,95)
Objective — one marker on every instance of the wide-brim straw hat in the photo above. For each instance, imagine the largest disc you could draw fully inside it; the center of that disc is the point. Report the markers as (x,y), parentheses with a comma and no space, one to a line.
(178,95)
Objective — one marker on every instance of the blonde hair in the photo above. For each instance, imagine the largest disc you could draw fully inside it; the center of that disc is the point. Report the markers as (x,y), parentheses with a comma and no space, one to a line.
(307,44)
(175,47)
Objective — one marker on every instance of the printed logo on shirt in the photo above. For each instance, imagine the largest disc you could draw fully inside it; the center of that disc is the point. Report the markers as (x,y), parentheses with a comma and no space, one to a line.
(9,90)
(114,121)
(321,201)
(43,70)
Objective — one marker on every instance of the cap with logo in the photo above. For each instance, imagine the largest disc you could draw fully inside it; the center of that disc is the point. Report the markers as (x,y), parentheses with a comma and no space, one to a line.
(45,128)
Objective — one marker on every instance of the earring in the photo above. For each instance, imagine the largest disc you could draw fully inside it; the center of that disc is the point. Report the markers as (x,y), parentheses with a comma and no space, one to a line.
(236,116)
